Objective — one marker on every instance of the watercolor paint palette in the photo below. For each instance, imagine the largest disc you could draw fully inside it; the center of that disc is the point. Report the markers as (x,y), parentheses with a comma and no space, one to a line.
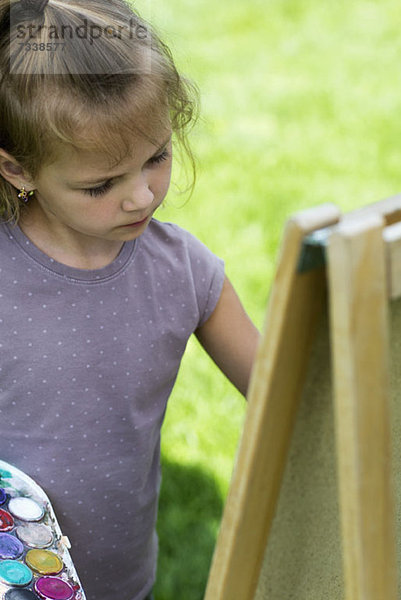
(35,563)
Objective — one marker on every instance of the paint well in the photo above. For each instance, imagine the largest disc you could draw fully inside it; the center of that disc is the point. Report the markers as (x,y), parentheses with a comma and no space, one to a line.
(54,588)
(35,535)
(15,573)
(6,521)
(10,546)
(16,594)
(26,509)
(44,562)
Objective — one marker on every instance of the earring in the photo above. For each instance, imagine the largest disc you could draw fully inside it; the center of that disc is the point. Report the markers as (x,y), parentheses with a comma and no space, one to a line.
(24,195)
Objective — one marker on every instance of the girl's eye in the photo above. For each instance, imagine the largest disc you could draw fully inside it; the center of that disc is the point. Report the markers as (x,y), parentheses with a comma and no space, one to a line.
(155,160)
(105,187)
(99,191)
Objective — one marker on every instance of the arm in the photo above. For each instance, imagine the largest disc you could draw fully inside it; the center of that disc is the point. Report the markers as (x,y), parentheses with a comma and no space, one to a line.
(230,338)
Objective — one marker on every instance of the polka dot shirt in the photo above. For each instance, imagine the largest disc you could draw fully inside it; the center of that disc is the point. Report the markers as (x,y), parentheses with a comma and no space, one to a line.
(87,362)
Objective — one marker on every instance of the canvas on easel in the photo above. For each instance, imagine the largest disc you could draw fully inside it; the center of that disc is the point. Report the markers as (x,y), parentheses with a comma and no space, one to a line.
(310,512)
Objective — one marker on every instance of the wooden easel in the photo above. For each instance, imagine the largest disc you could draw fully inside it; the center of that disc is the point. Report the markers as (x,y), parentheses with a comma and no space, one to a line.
(357,258)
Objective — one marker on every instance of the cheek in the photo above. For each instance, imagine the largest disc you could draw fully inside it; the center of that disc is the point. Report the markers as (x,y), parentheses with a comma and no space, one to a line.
(162,181)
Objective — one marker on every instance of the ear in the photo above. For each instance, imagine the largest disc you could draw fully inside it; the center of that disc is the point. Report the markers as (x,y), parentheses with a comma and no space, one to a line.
(12,172)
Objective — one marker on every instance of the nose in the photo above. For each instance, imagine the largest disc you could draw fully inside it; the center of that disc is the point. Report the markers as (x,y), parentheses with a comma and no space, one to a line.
(138,196)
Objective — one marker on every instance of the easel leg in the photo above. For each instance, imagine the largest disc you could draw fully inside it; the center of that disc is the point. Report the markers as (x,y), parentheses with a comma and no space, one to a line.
(276,385)
(359,326)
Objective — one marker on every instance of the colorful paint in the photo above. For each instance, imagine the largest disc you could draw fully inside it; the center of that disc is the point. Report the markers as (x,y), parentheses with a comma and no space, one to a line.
(6,521)
(34,559)
(53,588)
(15,573)
(44,562)
(10,546)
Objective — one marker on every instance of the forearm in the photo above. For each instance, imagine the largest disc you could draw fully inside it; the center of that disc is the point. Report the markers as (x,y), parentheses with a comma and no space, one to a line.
(230,338)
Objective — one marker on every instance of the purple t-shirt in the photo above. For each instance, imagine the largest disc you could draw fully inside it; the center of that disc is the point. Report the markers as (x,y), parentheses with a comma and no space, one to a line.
(87,363)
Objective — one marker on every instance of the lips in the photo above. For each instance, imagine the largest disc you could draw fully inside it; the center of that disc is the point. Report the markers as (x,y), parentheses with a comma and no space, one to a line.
(137,223)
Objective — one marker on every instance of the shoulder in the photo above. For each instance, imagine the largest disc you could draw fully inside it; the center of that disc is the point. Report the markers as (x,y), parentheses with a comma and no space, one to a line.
(177,257)
(166,232)
(172,239)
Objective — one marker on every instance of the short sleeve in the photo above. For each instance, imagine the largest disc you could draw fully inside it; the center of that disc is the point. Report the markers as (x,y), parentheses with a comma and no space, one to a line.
(207,274)
(185,277)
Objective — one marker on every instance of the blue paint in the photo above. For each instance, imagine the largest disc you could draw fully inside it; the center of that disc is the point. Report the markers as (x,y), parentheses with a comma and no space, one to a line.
(5,475)
(10,546)
(15,573)
(3,496)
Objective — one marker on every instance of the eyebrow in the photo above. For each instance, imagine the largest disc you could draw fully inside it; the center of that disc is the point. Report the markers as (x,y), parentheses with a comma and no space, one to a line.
(110,176)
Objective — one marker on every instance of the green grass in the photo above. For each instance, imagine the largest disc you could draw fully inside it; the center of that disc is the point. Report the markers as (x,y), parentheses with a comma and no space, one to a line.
(300,106)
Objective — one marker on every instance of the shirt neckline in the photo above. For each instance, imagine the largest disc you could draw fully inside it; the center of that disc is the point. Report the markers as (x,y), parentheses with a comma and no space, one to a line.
(16,234)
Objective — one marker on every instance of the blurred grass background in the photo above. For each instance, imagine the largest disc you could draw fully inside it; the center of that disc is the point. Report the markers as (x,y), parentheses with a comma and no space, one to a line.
(300,106)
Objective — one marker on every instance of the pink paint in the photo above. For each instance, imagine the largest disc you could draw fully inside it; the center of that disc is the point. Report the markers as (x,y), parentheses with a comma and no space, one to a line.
(54,588)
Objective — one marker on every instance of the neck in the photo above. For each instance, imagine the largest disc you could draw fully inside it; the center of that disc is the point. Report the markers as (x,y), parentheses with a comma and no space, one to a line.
(64,246)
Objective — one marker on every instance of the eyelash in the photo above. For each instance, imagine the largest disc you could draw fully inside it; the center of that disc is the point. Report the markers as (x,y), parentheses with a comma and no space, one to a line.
(105,187)
(99,191)
(159,158)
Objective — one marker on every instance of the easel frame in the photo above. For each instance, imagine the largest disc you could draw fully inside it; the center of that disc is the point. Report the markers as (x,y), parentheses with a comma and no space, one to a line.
(358,259)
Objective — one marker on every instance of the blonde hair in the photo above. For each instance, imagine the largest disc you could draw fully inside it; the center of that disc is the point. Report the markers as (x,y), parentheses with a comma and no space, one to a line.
(88,73)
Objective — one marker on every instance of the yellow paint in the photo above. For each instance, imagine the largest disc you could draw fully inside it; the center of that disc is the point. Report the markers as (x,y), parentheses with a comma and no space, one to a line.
(44,562)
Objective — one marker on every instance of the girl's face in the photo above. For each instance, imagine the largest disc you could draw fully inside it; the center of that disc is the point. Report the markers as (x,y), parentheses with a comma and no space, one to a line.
(80,194)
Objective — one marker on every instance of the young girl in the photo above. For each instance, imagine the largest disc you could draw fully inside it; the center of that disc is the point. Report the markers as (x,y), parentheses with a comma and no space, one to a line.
(98,298)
